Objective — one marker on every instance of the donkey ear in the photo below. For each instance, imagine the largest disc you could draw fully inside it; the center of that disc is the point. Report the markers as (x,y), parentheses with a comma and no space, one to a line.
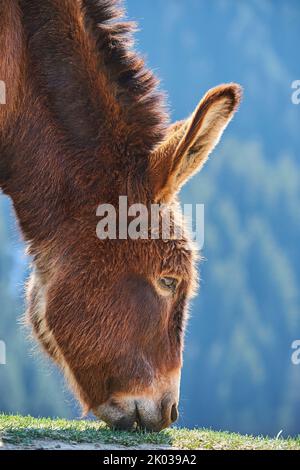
(190,142)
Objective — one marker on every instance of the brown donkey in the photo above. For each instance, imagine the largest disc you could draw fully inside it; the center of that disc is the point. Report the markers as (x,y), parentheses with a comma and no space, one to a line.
(83,124)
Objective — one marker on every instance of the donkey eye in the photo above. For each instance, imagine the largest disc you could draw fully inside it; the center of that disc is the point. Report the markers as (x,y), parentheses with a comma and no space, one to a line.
(168,283)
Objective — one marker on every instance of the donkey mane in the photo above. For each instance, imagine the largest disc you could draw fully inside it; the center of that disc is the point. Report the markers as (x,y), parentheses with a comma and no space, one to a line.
(125,101)
(137,86)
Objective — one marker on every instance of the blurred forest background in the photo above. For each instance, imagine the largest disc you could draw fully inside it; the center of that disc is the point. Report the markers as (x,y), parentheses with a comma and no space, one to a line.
(238,374)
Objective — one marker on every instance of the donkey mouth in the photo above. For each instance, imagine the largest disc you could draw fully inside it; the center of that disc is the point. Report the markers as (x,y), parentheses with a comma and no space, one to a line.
(139,415)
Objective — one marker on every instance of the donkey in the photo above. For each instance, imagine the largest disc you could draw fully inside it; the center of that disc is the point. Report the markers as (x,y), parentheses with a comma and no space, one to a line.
(84,123)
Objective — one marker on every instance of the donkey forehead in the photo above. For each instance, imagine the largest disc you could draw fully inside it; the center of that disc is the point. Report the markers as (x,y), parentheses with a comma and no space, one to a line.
(151,257)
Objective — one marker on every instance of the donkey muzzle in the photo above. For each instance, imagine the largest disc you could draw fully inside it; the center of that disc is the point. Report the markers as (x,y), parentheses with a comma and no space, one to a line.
(129,414)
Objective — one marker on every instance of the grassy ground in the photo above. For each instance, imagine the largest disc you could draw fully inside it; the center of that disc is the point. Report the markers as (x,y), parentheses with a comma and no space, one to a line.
(25,430)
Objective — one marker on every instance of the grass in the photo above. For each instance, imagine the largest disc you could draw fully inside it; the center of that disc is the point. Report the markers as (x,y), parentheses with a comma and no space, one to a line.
(24,430)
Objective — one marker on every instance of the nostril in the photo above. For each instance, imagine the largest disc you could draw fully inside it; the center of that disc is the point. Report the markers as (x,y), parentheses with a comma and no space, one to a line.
(138,419)
(174,413)
(169,410)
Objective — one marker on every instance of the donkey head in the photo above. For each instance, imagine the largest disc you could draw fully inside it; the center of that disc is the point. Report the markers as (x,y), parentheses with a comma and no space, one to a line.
(116,309)
(110,312)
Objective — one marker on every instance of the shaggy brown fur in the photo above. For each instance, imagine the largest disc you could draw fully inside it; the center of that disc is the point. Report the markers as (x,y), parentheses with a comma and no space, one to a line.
(82,125)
